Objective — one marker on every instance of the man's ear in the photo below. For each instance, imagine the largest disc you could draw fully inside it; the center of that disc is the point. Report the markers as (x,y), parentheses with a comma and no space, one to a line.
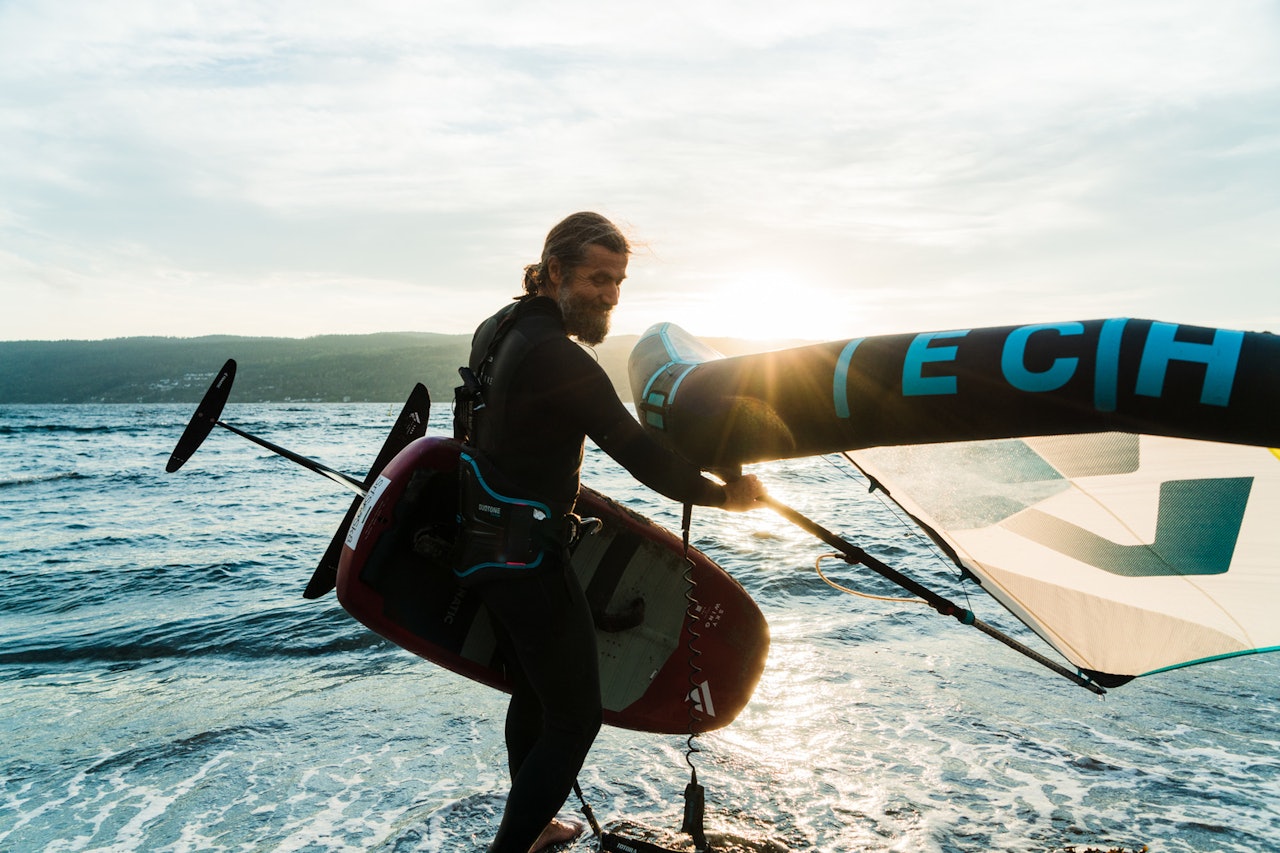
(555,277)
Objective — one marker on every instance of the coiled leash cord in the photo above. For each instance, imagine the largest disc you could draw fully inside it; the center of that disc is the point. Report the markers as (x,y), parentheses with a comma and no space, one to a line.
(694,794)
(695,797)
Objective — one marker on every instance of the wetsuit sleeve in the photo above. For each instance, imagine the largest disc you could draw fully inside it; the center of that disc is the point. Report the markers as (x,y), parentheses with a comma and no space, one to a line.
(652,464)
(588,397)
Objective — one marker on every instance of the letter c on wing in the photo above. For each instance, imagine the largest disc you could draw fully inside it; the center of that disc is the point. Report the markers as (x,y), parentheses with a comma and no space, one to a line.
(1013,359)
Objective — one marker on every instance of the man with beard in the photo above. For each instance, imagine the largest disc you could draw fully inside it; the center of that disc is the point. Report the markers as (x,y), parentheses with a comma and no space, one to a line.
(536,396)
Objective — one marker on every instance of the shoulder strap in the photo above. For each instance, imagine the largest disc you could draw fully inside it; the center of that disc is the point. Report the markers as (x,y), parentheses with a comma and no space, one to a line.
(484,348)
(500,344)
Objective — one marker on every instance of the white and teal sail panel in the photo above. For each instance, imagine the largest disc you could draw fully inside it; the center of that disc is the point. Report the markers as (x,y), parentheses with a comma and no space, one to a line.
(1129,554)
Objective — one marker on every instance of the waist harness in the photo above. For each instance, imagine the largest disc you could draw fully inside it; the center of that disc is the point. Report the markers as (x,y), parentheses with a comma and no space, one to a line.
(501,535)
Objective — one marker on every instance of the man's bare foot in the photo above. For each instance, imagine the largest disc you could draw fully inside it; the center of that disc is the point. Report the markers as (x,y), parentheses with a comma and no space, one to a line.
(557,832)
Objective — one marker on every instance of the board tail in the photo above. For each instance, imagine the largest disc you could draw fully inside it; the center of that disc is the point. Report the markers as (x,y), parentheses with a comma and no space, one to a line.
(411,424)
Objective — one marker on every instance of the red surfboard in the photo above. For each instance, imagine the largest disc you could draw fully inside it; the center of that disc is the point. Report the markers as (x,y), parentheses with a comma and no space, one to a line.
(634,576)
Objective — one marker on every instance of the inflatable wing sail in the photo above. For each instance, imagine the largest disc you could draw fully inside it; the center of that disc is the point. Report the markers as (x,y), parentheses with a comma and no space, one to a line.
(1111,482)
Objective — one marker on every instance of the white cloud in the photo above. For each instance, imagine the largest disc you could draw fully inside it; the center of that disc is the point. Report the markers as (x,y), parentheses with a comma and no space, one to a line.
(979,148)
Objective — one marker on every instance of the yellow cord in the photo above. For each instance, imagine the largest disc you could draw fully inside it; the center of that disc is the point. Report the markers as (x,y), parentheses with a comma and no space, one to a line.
(817,564)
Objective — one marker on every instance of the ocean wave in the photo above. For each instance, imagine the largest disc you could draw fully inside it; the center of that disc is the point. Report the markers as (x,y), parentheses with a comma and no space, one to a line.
(134,758)
(35,479)
(76,429)
(268,635)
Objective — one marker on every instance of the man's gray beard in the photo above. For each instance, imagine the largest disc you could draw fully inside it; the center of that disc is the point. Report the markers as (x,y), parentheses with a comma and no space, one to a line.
(588,324)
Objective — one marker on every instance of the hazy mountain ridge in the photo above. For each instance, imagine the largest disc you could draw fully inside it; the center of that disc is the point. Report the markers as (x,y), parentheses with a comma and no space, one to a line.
(329,368)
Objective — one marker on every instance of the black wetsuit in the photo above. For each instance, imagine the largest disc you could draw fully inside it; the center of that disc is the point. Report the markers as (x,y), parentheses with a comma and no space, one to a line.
(544,395)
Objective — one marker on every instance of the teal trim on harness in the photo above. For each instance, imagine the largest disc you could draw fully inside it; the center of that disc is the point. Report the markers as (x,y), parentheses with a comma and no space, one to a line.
(470,460)
(464,573)
(496,515)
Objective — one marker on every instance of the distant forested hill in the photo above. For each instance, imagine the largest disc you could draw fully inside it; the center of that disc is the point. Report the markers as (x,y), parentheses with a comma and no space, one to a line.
(330,368)
(378,368)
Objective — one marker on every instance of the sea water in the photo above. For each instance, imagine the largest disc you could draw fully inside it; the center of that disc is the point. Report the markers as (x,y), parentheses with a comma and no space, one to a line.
(167,688)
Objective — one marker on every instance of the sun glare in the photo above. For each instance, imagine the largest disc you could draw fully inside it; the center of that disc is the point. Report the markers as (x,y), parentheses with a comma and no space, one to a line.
(766,305)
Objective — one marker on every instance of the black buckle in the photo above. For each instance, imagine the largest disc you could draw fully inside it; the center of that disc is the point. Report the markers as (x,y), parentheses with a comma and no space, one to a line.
(577,528)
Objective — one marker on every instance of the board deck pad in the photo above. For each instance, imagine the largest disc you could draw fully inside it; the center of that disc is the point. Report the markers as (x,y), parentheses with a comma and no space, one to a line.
(647,682)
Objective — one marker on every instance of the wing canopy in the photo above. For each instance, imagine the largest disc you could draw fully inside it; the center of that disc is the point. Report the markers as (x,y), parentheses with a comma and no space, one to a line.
(1130,554)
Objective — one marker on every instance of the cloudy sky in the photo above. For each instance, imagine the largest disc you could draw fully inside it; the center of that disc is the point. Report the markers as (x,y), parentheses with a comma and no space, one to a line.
(815,169)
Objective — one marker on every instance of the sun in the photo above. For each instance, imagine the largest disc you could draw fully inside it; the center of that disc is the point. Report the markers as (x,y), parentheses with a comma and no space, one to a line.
(775,306)
(764,305)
